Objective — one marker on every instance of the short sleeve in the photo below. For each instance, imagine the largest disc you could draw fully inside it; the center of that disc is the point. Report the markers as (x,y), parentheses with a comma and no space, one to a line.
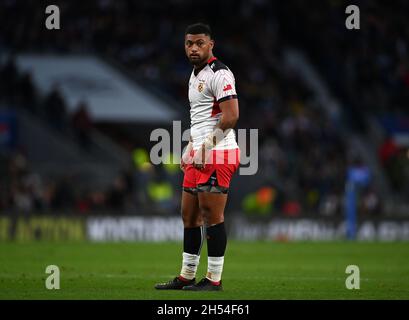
(223,85)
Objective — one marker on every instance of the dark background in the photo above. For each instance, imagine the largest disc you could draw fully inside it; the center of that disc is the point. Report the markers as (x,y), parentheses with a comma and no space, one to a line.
(305,150)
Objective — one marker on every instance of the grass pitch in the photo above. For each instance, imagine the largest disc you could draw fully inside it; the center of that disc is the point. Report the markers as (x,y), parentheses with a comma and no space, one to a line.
(253,270)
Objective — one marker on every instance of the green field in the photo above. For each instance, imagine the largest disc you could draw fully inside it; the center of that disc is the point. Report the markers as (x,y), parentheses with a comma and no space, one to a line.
(253,270)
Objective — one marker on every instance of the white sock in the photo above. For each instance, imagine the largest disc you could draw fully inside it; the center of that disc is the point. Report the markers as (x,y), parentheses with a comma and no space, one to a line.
(189,265)
(214,268)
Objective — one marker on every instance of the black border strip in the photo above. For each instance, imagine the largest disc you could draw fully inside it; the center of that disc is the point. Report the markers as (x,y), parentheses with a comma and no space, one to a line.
(234,96)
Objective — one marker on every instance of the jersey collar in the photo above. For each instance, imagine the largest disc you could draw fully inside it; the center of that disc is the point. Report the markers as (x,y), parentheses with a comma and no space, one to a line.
(211,60)
(196,71)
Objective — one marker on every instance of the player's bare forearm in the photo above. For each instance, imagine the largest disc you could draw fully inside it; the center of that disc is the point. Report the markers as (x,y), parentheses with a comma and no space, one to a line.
(230,114)
(226,123)
(228,120)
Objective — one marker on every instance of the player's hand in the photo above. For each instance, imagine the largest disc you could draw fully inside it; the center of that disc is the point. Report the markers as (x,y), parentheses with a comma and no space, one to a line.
(182,165)
(186,157)
(199,159)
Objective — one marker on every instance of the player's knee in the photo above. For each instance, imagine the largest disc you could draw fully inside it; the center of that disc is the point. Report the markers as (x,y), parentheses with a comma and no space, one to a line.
(185,218)
(211,216)
(215,220)
(206,213)
(191,220)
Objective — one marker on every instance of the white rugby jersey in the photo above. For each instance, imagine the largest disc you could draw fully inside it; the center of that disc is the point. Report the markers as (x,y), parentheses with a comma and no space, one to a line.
(213,84)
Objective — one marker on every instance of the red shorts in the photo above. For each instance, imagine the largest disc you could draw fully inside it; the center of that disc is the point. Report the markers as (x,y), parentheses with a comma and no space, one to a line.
(219,172)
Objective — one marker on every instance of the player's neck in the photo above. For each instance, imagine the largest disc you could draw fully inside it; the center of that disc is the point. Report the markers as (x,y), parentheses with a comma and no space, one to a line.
(201,66)
(198,68)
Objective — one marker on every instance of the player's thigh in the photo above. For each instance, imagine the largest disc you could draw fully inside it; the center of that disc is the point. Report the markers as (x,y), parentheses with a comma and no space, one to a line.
(212,205)
(191,214)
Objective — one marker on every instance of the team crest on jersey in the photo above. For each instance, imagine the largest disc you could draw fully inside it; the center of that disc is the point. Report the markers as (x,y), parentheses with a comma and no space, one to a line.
(200,87)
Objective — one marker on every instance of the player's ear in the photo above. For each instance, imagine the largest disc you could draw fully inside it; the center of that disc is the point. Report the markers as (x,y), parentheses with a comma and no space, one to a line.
(211,43)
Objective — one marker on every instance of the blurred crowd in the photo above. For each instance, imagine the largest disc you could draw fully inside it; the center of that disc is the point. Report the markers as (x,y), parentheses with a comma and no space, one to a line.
(19,91)
(303,159)
(368,68)
(23,190)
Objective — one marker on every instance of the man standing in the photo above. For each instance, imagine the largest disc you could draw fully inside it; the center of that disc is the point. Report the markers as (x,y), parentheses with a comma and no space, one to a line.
(210,160)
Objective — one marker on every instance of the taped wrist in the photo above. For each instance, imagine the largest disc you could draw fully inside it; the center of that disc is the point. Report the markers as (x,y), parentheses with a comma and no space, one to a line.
(213,138)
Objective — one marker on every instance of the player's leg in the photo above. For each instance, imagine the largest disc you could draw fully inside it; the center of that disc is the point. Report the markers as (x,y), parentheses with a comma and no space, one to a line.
(212,206)
(193,233)
(213,187)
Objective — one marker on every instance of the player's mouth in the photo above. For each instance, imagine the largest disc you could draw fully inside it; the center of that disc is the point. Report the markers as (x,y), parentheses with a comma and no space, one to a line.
(194,56)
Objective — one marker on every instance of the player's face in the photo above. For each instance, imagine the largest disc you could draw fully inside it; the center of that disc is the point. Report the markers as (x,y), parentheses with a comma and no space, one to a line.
(198,48)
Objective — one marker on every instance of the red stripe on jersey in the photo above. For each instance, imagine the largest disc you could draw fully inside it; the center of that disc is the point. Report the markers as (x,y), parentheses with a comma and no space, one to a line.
(211,59)
(216,109)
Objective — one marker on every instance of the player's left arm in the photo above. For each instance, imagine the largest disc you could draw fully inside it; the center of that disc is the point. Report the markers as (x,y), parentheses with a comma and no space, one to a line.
(224,90)
(230,114)
(223,87)
(227,121)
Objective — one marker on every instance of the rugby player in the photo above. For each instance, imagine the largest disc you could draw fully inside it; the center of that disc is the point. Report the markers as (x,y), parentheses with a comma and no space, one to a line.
(209,162)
